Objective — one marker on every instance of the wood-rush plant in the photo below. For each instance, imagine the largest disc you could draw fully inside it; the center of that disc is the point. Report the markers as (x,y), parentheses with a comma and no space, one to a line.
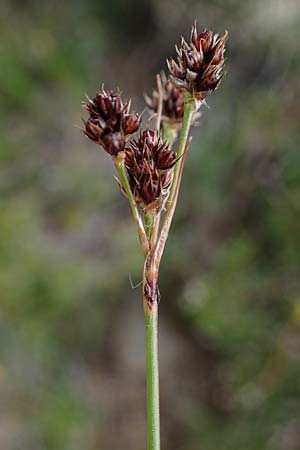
(150,170)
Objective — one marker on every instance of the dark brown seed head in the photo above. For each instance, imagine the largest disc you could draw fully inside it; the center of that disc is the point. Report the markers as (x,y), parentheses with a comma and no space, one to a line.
(172,102)
(172,105)
(200,63)
(110,123)
(149,163)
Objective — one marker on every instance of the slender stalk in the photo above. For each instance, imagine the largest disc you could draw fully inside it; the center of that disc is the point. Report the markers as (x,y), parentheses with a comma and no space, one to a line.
(160,102)
(183,146)
(153,247)
(152,371)
(148,221)
(154,231)
(120,167)
(151,221)
(150,287)
(189,108)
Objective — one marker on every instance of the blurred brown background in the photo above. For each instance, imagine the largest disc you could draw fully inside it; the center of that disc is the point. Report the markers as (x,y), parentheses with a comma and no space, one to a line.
(71,327)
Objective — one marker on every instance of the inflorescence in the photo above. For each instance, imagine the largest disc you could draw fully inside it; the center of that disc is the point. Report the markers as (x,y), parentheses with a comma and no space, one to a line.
(110,123)
(200,63)
(149,170)
(149,162)
(149,159)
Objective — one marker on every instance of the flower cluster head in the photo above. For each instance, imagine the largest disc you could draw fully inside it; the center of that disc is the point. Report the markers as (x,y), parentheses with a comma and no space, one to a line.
(149,163)
(172,102)
(110,123)
(172,107)
(200,63)
(145,164)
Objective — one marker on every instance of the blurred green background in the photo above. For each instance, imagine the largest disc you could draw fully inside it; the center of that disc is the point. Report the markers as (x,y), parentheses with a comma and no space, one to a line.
(71,327)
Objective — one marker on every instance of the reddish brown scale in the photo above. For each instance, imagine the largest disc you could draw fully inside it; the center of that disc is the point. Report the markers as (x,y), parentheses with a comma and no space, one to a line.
(149,163)
(200,63)
(172,104)
(110,123)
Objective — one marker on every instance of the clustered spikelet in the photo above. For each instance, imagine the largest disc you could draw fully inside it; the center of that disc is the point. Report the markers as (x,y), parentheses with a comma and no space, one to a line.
(149,163)
(149,159)
(200,63)
(150,172)
(172,102)
(110,123)
(172,106)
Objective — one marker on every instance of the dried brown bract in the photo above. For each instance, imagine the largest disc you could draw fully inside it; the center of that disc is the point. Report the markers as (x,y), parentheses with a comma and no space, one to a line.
(200,63)
(149,163)
(110,123)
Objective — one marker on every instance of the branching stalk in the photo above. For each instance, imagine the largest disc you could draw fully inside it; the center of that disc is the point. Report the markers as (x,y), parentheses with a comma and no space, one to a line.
(189,108)
(184,143)
(150,287)
(154,231)
(160,102)
(148,221)
(149,164)
(120,167)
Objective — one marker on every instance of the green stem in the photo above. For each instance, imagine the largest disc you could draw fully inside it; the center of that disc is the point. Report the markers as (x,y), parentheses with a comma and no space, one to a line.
(189,108)
(120,167)
(153,422)
(148,221)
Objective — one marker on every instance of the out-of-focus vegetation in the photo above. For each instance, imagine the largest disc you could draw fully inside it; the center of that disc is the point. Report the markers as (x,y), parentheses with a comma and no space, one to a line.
(71,327)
